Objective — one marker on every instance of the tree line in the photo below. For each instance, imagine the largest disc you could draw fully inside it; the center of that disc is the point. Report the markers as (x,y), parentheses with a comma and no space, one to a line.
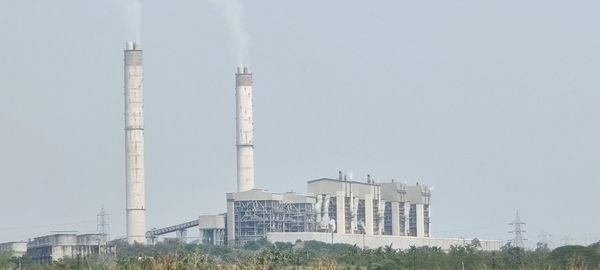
(172,254)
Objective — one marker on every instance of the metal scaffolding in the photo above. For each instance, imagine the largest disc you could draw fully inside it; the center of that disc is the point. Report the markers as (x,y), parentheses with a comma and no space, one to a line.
(412,222)
(255,218)
(213,236)
(376,217)
(361,217)
(402,216)
(426,219)
(387,219)
(349,215)
(333,210)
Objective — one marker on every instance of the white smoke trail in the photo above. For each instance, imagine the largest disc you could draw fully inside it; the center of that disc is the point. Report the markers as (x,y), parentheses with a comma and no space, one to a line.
(233,12)
(133,16)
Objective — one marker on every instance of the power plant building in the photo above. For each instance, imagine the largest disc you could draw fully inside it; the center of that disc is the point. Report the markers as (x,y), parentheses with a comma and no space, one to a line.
(49,248)
(348,206)
(373,215)
(336,210)
(407,209)
(340,210)
(16,249)
(353,207)
(338,206)
(212,229)
(252,214)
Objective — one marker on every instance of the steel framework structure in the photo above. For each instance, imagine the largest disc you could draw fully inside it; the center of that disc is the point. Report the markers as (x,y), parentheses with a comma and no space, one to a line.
(254,219)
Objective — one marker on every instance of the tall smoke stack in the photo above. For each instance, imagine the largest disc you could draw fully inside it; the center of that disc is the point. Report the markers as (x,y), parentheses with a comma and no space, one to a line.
(134,140)
(245,129)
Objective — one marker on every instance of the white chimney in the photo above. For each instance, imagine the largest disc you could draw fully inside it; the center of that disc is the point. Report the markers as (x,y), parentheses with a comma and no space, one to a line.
(245,129)
(134,143)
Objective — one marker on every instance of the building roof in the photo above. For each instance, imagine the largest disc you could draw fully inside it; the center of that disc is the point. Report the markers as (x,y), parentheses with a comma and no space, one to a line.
(264,195)
(14,242)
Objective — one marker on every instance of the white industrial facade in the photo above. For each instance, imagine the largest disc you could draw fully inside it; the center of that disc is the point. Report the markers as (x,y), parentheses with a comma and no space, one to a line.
(254,213)
(371,208)
(376,241)
(408,211)
(338,206)
(49,248)
(134,144)
(16,249)
(354,207)
(366,214)
(212,229)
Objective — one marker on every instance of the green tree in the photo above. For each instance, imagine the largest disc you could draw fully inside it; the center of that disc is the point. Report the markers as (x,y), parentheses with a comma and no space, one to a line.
(579,256)
(5,258)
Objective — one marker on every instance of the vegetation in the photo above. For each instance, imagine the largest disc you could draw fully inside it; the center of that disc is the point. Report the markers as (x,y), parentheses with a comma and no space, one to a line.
(173,255)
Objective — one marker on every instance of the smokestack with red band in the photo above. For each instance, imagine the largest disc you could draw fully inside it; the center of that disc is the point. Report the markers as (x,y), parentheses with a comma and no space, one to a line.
(134,144)
(245,129)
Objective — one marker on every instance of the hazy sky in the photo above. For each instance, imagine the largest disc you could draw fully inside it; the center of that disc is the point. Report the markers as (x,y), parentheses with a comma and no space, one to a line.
(494,103)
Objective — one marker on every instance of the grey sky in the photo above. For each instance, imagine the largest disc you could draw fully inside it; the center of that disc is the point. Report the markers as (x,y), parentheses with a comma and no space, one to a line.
(494,103)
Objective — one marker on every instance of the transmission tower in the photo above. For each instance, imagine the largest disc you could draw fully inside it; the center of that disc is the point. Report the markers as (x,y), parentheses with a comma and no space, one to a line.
(103,220)
(518,231)
(544,239)
(566,241)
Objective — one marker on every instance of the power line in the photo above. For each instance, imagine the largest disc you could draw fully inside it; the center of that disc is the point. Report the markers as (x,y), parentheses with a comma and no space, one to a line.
(469,229)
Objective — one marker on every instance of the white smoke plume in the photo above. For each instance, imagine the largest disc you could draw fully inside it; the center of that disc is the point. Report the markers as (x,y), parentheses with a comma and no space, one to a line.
(133,15)
(233,12)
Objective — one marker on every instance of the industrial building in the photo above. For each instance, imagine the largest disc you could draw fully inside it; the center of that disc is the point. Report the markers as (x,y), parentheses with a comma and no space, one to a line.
(340,210)
(49,248)
(17,249)
(346,206)
(366,214)
(372,215)
(251,212)
(407,209)
(212,230)
(372,209)
(336,210)
(340,206)
(254,213)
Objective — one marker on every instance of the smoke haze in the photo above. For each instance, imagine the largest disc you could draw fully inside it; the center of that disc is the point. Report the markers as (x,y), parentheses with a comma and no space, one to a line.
(233,12)
(133,16)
